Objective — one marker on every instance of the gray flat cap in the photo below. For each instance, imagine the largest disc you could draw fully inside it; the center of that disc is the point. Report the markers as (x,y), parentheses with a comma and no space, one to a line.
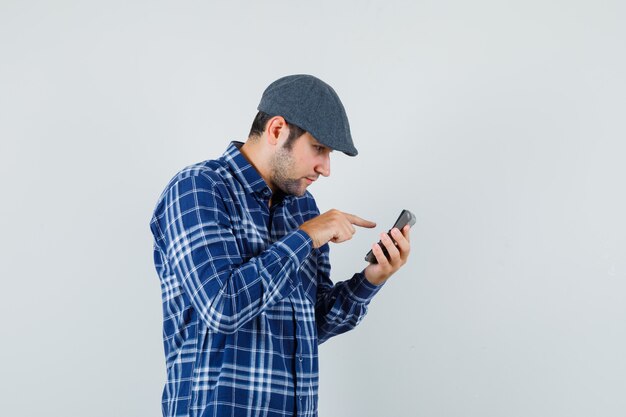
(312,105)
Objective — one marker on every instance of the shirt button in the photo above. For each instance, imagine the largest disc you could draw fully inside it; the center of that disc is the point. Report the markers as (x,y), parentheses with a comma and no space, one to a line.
(300,358)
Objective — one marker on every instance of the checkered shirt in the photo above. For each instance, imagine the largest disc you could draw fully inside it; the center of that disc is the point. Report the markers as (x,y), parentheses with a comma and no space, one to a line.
(246,298)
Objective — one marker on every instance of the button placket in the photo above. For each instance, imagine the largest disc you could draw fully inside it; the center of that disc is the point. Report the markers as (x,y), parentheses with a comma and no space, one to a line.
(299,355)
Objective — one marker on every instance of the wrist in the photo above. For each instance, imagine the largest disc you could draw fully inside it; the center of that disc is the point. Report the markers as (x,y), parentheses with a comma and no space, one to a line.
(308,232)
(372,278)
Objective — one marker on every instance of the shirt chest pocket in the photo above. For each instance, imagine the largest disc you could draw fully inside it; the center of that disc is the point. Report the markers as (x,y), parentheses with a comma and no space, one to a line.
(250,240)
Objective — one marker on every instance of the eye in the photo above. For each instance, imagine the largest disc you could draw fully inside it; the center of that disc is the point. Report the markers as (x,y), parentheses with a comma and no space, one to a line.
(319,148)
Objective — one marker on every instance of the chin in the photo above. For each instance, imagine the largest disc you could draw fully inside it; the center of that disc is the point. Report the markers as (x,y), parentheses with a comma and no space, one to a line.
(299,192)
(295,188)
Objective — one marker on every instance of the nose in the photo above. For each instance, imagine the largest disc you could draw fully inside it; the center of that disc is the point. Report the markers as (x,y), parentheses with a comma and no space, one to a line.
(323,167)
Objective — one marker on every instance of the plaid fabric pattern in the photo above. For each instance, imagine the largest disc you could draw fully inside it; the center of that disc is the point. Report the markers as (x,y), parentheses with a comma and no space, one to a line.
(246,299)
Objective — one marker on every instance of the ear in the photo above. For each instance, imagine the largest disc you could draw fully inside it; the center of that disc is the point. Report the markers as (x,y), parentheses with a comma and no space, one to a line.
(274,127)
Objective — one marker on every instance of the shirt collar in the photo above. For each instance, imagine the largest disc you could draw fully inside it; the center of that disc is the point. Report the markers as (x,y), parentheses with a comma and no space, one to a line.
(247,175)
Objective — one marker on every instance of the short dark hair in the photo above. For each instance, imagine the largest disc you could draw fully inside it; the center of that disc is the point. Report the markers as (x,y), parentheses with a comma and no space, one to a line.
(260,121)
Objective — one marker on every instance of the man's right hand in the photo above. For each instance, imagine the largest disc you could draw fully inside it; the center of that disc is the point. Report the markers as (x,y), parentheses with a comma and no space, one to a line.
(333,226)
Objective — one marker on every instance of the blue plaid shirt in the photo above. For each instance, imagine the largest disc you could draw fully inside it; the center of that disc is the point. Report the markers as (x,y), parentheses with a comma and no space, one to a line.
(246,298)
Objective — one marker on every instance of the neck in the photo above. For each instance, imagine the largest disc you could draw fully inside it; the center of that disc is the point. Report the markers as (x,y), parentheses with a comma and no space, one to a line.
(258,157)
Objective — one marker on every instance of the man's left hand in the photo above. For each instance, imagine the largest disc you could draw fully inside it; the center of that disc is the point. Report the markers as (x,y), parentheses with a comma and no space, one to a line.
(398,255)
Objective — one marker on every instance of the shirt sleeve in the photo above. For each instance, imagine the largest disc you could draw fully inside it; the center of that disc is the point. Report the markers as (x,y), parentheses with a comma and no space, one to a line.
(340,307)
(202,253)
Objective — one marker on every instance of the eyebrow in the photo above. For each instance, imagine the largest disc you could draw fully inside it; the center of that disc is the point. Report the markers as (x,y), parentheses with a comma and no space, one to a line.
(316,143)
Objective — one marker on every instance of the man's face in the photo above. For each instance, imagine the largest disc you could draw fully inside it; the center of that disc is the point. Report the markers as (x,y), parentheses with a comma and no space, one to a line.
(293,170)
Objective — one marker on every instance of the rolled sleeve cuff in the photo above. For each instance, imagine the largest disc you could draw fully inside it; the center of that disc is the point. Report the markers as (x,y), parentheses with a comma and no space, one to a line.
(361,290)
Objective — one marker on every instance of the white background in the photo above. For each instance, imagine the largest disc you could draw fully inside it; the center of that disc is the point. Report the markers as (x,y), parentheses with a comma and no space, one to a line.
(499,123)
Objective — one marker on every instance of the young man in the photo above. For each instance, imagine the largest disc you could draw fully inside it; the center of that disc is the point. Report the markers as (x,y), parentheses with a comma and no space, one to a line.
(243,257)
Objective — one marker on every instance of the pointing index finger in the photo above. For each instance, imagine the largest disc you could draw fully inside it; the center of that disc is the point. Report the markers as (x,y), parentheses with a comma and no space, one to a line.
(356,220)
